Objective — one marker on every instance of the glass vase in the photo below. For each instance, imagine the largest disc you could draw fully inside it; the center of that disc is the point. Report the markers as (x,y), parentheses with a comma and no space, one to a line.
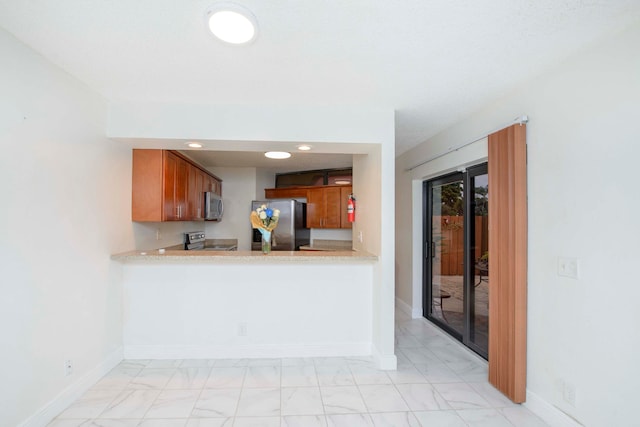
(266,243)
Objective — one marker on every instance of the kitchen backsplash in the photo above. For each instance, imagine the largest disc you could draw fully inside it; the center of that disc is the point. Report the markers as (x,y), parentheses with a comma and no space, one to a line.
(155,235)
(331,234)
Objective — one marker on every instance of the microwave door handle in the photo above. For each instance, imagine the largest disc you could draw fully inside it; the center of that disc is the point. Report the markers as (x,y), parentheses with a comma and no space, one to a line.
(221,208)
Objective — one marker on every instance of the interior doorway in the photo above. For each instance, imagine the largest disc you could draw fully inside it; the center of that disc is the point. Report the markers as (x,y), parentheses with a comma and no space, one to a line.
(456,255)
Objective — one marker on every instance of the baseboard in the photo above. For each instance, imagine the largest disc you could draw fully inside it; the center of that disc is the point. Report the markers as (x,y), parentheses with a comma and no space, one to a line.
(548,413)
(245,351)
(415,313)
(387,362)
(69,395)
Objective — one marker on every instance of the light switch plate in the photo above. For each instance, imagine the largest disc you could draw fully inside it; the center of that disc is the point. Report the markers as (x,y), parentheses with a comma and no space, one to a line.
(568,267)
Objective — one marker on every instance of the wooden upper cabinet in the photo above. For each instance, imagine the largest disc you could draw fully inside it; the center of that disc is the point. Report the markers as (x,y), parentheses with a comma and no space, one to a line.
(326,207)
(170,206)
(195,186)
(216,186)
(147,195)
(175,187)
(315,207)
(168,187)
(332,207)
(286,193)
(212,184)
(182,190)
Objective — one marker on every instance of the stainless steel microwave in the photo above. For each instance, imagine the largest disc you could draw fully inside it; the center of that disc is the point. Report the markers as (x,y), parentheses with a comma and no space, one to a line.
(213,206)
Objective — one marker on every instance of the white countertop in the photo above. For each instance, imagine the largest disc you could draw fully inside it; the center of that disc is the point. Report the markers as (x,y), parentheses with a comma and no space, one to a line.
(244,257)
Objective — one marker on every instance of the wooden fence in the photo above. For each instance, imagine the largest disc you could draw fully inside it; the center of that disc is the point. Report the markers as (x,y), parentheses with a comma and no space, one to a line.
(449,240)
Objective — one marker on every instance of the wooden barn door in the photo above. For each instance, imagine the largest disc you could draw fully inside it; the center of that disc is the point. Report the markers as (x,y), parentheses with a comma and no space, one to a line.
(508,261)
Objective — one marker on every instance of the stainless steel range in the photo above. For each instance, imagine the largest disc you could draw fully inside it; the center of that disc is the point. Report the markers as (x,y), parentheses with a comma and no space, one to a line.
(195,240)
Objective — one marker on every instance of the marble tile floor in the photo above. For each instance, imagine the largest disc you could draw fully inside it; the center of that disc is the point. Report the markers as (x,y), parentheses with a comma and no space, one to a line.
(437,383)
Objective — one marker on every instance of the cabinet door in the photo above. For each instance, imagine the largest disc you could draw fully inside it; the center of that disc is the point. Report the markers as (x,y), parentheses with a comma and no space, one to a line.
(192,200)
(344,199)
(182,185)
(147,201)
(315,207)
(199,193)
(324,207)
(170,204)
(332,210)
(196,188)
(176,182)
(216,186)
(206,183)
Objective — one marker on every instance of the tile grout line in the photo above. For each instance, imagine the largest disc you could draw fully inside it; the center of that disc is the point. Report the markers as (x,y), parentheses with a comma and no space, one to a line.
(244,376)
(189,417)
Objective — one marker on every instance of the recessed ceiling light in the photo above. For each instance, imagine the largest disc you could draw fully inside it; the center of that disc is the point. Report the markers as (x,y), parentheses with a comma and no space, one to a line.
(277,155)
(232,23)
(194,144)
(304,147)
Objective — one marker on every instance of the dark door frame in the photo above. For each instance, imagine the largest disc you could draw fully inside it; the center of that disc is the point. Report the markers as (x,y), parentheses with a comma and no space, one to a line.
(469,261)
(429,250)
(466,177)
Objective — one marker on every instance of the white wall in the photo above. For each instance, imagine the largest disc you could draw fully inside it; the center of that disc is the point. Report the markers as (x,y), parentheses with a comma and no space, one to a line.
(369,207)
(374,217)
(264,179)
(582,160)
(331,234)
(195,310)
(65,208)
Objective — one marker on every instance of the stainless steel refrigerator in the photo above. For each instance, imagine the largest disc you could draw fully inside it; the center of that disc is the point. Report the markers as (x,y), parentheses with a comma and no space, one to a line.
(291,232)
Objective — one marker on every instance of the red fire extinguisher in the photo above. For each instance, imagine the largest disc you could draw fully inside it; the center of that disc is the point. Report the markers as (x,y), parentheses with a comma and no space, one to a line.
(351,208)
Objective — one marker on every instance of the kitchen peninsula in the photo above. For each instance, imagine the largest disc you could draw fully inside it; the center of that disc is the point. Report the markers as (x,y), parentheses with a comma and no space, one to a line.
(243,304)
(311,256)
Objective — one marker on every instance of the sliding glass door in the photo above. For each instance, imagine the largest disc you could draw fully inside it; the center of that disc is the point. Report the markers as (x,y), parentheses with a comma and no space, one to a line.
(477,265)
(456,262)
(444,253)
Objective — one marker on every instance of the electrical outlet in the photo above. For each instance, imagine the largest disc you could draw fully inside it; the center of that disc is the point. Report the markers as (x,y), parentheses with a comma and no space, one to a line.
(360,236)
(242,329)
(568,267)
(158,234)
(569,394)
(68,367)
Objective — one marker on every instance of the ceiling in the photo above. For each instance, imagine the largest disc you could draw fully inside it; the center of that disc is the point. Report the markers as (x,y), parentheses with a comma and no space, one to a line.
(432,61)
(299,161)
